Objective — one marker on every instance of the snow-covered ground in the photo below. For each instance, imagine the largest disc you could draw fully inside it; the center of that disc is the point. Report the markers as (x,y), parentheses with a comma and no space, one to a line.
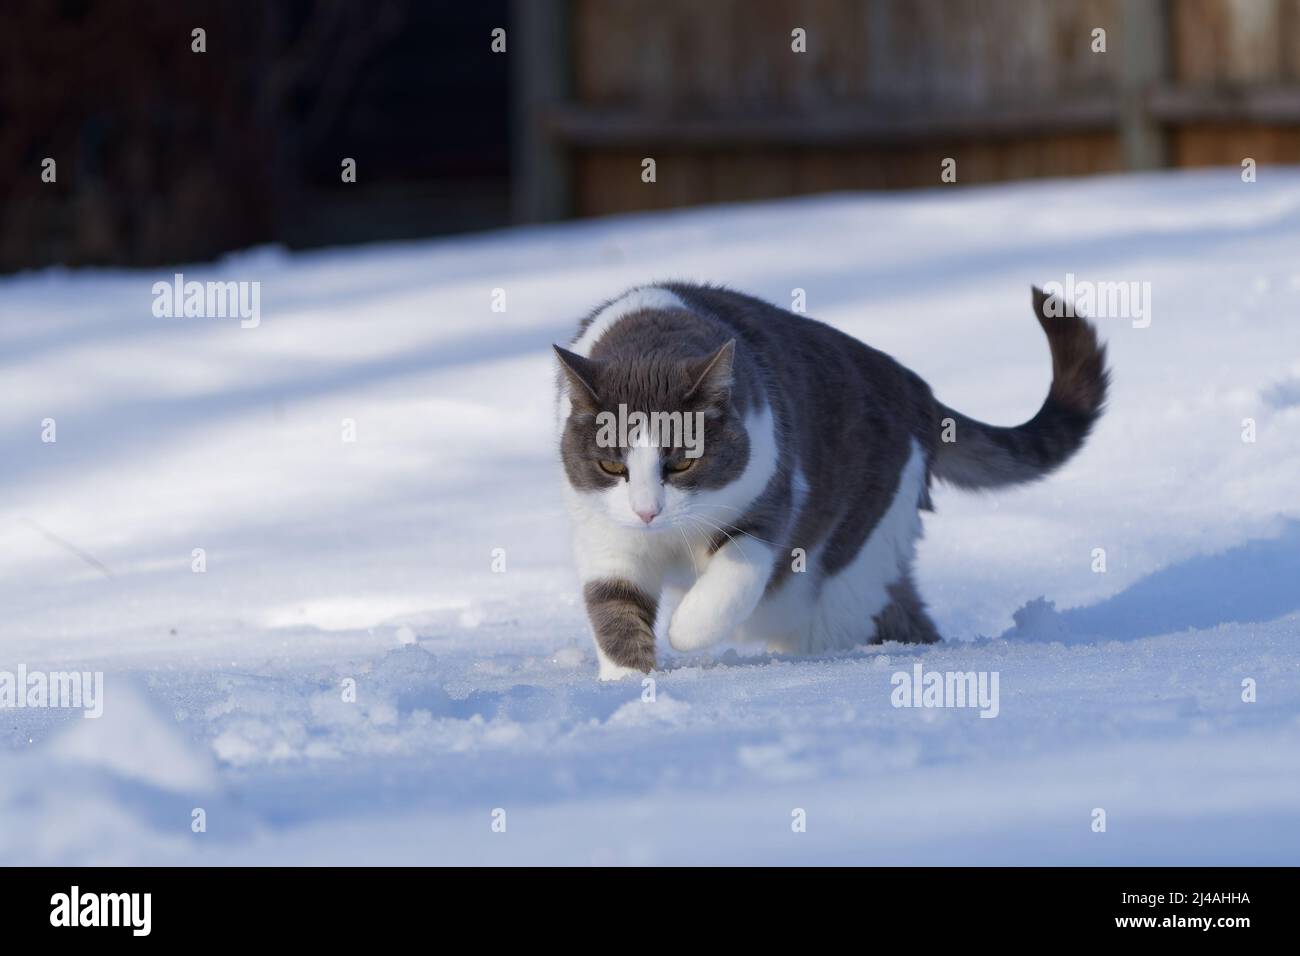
(329,561)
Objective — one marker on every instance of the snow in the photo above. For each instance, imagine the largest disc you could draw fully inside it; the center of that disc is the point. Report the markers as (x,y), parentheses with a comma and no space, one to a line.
(329,562)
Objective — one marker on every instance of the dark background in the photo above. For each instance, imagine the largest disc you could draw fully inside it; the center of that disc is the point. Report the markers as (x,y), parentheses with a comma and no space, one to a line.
(166,155)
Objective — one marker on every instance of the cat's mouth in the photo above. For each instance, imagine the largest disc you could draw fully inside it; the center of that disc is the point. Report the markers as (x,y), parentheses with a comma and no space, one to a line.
(658,524)
(650,523)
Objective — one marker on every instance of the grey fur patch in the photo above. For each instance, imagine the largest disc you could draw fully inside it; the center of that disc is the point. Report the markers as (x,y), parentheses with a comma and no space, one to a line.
(904,618)
(623,618)
(845,414)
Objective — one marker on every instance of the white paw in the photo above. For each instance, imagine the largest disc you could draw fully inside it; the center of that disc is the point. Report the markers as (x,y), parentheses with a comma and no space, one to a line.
(611,671)
(698,623)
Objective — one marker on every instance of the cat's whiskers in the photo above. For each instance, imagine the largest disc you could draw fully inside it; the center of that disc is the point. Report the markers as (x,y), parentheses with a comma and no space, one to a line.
(690,552)
(747,534)
(724,531)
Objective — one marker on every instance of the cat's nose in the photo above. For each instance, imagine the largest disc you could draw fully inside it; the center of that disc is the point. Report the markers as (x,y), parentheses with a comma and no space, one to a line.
(647,516)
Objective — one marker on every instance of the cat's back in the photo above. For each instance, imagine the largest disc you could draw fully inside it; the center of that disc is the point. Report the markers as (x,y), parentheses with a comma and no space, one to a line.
(804,353)
(813,368)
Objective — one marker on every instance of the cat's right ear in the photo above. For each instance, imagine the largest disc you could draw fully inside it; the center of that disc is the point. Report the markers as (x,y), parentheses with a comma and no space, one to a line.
(580,372)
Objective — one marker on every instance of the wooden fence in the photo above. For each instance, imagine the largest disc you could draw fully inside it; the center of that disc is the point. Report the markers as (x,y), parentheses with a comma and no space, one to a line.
(714,92)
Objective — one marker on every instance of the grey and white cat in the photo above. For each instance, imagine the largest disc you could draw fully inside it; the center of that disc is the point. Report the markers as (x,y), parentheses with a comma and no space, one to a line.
(797,525)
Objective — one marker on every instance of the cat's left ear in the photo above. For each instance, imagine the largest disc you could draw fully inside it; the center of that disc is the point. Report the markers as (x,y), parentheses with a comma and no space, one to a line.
(581,373)
(714,375)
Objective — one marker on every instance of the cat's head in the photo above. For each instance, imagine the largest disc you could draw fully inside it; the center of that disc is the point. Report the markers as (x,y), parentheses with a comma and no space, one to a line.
(648,437)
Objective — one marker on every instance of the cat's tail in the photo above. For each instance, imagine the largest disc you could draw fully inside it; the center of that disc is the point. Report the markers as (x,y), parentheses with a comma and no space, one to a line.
(971,454)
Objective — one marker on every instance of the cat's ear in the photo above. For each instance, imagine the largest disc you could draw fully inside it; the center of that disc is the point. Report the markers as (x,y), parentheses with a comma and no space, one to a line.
(713,376)
(580,373)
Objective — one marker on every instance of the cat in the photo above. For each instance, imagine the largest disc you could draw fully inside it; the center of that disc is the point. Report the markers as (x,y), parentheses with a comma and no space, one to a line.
(795,521)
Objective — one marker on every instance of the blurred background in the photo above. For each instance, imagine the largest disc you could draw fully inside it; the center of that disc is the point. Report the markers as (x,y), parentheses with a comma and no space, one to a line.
(165,155)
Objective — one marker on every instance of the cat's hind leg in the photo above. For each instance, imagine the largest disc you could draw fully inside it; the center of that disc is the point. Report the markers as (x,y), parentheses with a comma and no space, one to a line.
(904,618)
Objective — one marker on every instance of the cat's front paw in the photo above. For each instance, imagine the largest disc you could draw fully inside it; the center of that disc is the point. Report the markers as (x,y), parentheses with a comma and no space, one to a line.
(611,671)
(697,623)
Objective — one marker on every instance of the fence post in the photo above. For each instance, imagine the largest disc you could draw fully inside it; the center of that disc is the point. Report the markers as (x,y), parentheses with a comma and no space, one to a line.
(539,54)
(1144,63)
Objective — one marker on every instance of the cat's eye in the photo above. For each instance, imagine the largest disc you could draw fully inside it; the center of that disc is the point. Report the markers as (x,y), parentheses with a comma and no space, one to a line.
(612,467)
(679,466)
